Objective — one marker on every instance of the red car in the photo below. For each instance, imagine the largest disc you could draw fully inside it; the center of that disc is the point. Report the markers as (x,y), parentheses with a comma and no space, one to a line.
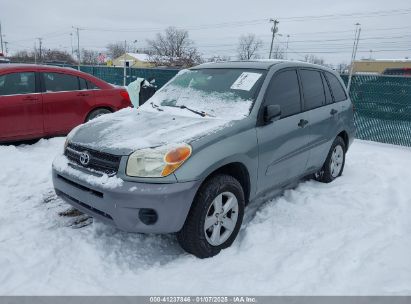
(41,101)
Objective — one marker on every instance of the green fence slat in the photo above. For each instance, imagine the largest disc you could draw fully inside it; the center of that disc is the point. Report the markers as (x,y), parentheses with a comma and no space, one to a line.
(383,108)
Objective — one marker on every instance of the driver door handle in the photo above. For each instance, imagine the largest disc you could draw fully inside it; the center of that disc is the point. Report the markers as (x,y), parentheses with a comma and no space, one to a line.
(333,111)
(82,94)
(31,98)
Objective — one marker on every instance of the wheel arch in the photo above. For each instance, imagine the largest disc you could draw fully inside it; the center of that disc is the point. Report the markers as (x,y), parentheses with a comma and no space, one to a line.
(98,108)
(237,170)
(344,135)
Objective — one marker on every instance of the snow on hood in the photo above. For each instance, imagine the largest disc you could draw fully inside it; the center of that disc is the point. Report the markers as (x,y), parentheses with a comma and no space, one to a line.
(131,129)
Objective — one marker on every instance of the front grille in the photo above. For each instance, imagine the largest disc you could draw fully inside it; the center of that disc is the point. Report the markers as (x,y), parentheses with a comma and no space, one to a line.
(98,161)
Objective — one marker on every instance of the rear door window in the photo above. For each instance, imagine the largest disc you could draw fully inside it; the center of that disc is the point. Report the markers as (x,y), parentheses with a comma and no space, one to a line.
(18,83)
(336,87)
(82,83)
(57,82)
(313,90)
(284,91)
(328,96)
(91,86)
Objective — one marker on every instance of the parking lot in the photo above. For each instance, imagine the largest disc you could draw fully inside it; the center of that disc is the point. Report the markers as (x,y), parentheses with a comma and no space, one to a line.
(347,237)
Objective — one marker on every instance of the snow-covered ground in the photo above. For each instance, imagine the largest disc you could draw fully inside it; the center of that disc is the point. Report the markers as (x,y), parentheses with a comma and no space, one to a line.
(352,236)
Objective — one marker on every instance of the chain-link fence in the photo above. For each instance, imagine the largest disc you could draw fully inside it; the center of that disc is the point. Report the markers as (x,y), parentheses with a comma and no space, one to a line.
(115,75)
(382,108)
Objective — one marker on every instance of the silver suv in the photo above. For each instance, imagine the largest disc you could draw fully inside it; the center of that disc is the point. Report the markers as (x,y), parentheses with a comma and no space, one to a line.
(213,139)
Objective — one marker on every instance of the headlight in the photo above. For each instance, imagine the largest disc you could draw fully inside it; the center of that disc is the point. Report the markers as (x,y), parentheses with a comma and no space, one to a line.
(157,162)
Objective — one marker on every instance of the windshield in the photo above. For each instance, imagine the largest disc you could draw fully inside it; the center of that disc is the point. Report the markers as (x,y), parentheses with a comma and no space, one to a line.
(221,93)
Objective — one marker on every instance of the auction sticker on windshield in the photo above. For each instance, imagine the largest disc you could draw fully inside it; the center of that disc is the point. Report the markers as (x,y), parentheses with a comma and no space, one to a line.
(245,81)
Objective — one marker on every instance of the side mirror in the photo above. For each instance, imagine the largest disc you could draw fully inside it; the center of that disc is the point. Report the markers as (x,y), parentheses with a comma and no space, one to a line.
(272,113)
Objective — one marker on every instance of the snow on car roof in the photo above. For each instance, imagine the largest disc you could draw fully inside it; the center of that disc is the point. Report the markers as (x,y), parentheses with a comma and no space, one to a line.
(263,64)
(249,64)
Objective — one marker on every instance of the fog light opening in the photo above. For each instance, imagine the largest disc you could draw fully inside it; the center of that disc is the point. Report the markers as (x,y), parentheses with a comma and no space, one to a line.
(148,216)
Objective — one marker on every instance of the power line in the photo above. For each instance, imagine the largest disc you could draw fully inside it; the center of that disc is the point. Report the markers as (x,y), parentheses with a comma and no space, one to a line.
(344,15)
(259,21)
(319,43)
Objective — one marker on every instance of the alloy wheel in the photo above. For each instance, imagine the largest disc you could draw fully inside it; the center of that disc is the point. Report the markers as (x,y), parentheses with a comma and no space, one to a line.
(221,218)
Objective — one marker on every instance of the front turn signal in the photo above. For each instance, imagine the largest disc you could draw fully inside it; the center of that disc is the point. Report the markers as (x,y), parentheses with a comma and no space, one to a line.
(175,158)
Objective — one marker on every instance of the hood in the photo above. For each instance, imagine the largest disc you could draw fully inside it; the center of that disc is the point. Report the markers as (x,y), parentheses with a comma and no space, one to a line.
(131,129)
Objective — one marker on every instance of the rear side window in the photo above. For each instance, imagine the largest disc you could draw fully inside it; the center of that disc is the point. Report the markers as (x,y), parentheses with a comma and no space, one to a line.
(336,88)
(284,91)
(82,83)
(91,86)
(328,96)
(56,82)
(313,90)
(18,83)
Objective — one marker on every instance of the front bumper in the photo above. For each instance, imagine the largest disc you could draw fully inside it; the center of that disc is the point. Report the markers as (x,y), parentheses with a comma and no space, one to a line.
(120,206)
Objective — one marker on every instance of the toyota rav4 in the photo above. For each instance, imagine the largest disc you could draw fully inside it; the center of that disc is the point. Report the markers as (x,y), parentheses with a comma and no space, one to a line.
(213,139)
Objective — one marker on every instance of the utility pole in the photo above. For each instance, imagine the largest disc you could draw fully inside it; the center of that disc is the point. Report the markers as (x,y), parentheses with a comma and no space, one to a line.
(71,41)
(35,52)
(5,47)
(286,48)
(40,42)
(125,69)
(78,46)
(274,30)
(1,39)
(354,53)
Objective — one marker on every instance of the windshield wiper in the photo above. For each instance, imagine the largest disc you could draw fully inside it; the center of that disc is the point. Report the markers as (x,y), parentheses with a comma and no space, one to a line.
(201,113)
(156,107)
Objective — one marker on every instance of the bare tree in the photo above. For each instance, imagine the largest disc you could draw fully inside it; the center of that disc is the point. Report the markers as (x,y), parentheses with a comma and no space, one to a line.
(115,50)
(278,52)
(57,56)
(50,55)
(22,57)
(89,57)
(173,47)
(248,47)
(219,58)
(342,68)
(314,59)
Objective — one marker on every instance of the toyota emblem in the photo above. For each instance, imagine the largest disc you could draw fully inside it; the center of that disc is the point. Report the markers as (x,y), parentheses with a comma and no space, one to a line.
(84,158)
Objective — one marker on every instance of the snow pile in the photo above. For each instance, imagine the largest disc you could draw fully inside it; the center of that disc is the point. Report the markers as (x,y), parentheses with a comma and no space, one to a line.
(348,237)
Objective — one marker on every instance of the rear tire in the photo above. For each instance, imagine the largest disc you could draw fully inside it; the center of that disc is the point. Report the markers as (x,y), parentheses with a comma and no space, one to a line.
(213,223)
(96,113)
(334,164)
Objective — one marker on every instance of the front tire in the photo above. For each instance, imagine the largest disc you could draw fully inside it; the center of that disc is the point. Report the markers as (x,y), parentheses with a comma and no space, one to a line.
(214,218)
(334,164)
